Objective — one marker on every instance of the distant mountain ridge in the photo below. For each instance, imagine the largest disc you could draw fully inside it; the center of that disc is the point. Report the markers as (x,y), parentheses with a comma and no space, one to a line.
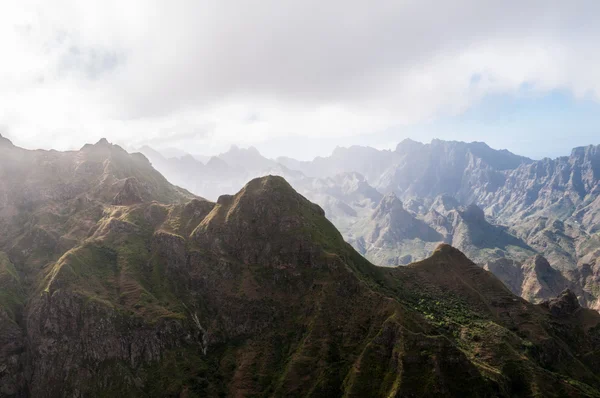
(416,169)
(525,207)
(225,173)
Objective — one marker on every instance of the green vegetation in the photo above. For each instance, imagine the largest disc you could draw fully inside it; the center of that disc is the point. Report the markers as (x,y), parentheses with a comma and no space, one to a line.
(12,295)
(259,295)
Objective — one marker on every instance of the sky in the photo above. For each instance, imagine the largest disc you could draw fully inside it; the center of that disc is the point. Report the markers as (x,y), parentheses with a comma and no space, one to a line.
(298,78)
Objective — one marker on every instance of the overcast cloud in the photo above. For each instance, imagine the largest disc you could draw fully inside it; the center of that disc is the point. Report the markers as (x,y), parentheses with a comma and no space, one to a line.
(208,74)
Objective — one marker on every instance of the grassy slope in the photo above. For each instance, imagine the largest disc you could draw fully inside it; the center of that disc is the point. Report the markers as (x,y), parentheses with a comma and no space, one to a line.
(434,318)
(293,309)
(12,295)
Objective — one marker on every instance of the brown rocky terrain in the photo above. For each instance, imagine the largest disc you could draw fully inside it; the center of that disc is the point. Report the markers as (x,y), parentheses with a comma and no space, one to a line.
(116,283)
(495,206)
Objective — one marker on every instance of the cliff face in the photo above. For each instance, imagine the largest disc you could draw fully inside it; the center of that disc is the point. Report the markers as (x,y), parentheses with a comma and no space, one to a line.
(464,170)
(393,236)
(58,281)
(562,188)
(509,187)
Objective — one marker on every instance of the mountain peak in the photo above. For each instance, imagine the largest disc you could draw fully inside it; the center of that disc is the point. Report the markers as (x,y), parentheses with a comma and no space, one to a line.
(103,142)
(390,204)
(252,149)
(445,203)
(148,150)
(584,152)
(234,149)
(408,144)
(269,196)
(473,213)
(216,163)
(564,305)
(268,209)
(391,197)
(5,141)
(446,249)
(270,187)
(477,284)
(103,146)
(541,264)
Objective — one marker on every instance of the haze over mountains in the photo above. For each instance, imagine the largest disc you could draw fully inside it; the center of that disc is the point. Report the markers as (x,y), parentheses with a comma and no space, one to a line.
(149,249)
(114,282)
(394,206)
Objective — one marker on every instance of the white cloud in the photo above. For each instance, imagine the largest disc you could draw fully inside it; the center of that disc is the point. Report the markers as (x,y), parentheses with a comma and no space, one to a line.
(205,74)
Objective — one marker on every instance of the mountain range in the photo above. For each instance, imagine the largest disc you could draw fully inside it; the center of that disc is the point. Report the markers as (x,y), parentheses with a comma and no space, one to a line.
(115,282)
(395,206)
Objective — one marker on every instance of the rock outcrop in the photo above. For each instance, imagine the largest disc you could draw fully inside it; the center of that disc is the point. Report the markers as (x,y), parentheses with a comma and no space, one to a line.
(566,304)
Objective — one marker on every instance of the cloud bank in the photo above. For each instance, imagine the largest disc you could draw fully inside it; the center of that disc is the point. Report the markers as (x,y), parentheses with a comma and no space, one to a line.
(203,74)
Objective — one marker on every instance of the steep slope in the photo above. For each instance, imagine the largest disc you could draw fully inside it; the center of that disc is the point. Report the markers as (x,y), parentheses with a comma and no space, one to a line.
(100,170)
(552,204)
(557,188)
(464,170)
(483,241)
(496,327)
(49,200)
(393,236)
(12,300)
(51,204)
(550,207)
(564,244)
(534,279)
(346,198)
(138,289)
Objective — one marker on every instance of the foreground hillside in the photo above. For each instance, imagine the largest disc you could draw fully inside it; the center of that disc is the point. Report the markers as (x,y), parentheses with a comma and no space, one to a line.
(120,284)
